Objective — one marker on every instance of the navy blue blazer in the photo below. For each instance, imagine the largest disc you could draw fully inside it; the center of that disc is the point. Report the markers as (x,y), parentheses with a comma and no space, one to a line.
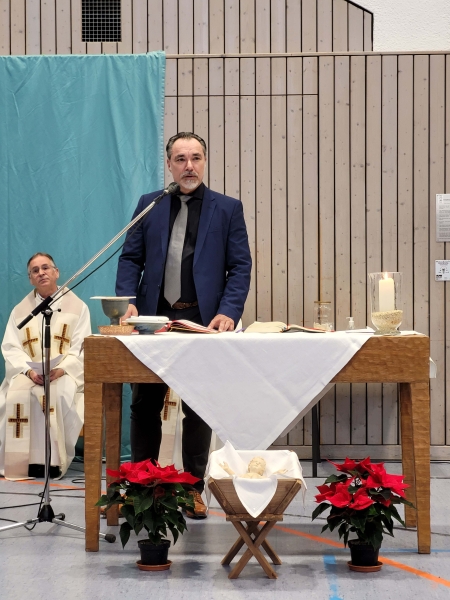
(222,261)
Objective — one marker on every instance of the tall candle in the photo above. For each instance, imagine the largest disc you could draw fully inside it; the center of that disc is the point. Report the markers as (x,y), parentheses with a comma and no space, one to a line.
(386,295)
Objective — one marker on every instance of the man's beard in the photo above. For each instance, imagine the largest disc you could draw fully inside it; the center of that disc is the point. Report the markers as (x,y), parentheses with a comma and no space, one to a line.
(190,184)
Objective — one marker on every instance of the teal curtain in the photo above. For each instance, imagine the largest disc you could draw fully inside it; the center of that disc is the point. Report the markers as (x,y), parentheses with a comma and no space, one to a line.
(81,139)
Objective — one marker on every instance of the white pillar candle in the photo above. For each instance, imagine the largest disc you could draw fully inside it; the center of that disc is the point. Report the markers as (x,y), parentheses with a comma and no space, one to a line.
(386,291)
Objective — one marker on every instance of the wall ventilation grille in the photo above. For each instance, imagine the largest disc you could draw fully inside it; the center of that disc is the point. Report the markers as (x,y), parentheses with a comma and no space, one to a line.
(101,20)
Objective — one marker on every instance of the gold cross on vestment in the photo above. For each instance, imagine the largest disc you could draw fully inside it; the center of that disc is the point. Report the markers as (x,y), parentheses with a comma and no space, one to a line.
(18,421)
(52,410)
(167,406)
(62,338)
(29,342)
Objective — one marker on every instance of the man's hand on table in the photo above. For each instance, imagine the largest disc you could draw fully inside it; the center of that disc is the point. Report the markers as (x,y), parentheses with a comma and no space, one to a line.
(222,323)
(131,312)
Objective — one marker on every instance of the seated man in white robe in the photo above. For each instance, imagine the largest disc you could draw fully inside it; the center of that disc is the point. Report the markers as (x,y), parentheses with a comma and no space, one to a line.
(22,396)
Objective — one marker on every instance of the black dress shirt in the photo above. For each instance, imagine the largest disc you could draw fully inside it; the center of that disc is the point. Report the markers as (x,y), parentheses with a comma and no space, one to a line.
(194,204)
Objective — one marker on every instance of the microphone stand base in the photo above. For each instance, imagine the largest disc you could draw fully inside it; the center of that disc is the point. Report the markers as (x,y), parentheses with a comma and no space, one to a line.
(46,514)
(56,520)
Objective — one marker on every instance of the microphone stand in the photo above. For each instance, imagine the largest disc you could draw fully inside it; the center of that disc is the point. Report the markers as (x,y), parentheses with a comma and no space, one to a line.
(46,513)
(172,188)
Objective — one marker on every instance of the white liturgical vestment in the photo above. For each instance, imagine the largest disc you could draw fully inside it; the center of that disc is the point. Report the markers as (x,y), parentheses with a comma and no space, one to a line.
(22,402)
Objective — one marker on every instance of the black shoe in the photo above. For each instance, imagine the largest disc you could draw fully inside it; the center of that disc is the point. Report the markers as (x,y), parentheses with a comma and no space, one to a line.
(39,471)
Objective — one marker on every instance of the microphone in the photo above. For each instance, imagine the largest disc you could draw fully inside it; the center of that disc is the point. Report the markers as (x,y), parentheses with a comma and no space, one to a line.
(172,188)
(39,308)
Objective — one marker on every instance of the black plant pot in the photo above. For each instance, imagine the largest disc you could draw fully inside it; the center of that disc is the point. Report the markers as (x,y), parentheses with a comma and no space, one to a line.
(362,554)
(154,554)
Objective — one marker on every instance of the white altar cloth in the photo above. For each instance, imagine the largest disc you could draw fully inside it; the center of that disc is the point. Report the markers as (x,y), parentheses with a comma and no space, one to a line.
(248,387)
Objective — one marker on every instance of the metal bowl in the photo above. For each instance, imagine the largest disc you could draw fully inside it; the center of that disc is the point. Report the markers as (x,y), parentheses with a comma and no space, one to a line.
(114,307)
(147,328)
(147,325)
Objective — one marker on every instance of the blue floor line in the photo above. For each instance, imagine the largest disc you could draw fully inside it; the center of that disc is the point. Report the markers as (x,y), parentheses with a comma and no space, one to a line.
(330,570)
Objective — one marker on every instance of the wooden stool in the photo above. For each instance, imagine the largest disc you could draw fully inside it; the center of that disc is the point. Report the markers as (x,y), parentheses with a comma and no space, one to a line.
(248,527)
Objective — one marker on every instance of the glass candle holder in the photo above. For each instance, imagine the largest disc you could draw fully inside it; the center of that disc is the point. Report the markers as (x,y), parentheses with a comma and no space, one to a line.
(386,302)
(323,318)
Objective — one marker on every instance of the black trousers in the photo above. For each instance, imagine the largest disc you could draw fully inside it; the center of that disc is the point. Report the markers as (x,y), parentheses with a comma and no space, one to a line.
(146,425)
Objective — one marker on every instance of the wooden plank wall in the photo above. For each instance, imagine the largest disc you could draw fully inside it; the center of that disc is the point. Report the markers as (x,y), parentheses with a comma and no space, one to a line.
(190,27)
(339,168)
(336,157)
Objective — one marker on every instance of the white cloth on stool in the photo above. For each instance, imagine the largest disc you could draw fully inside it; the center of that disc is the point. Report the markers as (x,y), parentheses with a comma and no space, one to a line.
(255,494)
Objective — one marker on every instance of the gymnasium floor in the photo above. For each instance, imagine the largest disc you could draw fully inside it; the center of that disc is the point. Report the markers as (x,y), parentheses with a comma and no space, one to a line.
(50,562)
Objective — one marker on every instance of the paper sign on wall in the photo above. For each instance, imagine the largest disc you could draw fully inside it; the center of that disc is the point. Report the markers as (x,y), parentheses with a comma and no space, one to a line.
(442,270)
(443,217)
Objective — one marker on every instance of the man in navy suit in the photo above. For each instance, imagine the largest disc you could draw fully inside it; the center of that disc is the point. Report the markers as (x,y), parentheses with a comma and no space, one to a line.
(213,285)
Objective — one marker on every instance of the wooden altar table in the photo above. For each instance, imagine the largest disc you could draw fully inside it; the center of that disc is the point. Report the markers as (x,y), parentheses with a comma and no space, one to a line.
(399,359)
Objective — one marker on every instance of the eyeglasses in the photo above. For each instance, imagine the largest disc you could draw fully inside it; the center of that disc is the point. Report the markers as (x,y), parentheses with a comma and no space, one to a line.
(44,268)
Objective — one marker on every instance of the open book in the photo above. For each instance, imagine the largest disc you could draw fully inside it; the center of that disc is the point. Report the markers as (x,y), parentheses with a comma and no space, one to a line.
(184,326)
(279,327)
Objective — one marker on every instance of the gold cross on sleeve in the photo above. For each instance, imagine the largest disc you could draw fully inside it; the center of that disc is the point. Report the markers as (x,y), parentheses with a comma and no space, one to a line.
(62,338)
(18,421)
(167,405)
(29,342)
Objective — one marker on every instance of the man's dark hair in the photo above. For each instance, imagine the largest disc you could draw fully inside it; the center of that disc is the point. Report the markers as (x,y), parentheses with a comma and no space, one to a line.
(41,254)
(184,135)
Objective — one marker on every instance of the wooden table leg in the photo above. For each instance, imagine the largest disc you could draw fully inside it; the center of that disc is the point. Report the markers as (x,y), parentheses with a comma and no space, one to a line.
(93,430)
(420,410)
(112,397)
(408,453)
(253,550)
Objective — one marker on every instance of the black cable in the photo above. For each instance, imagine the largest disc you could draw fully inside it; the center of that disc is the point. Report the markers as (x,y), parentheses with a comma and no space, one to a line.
(81,489)
(9,520)
(49,457)
(41,495)
(19,506)
(63,496)
(96,269)
(127,238)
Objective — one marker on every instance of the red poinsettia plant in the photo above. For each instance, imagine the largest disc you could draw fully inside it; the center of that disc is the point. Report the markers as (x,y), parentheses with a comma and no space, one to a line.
(362,500)
(151,497)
